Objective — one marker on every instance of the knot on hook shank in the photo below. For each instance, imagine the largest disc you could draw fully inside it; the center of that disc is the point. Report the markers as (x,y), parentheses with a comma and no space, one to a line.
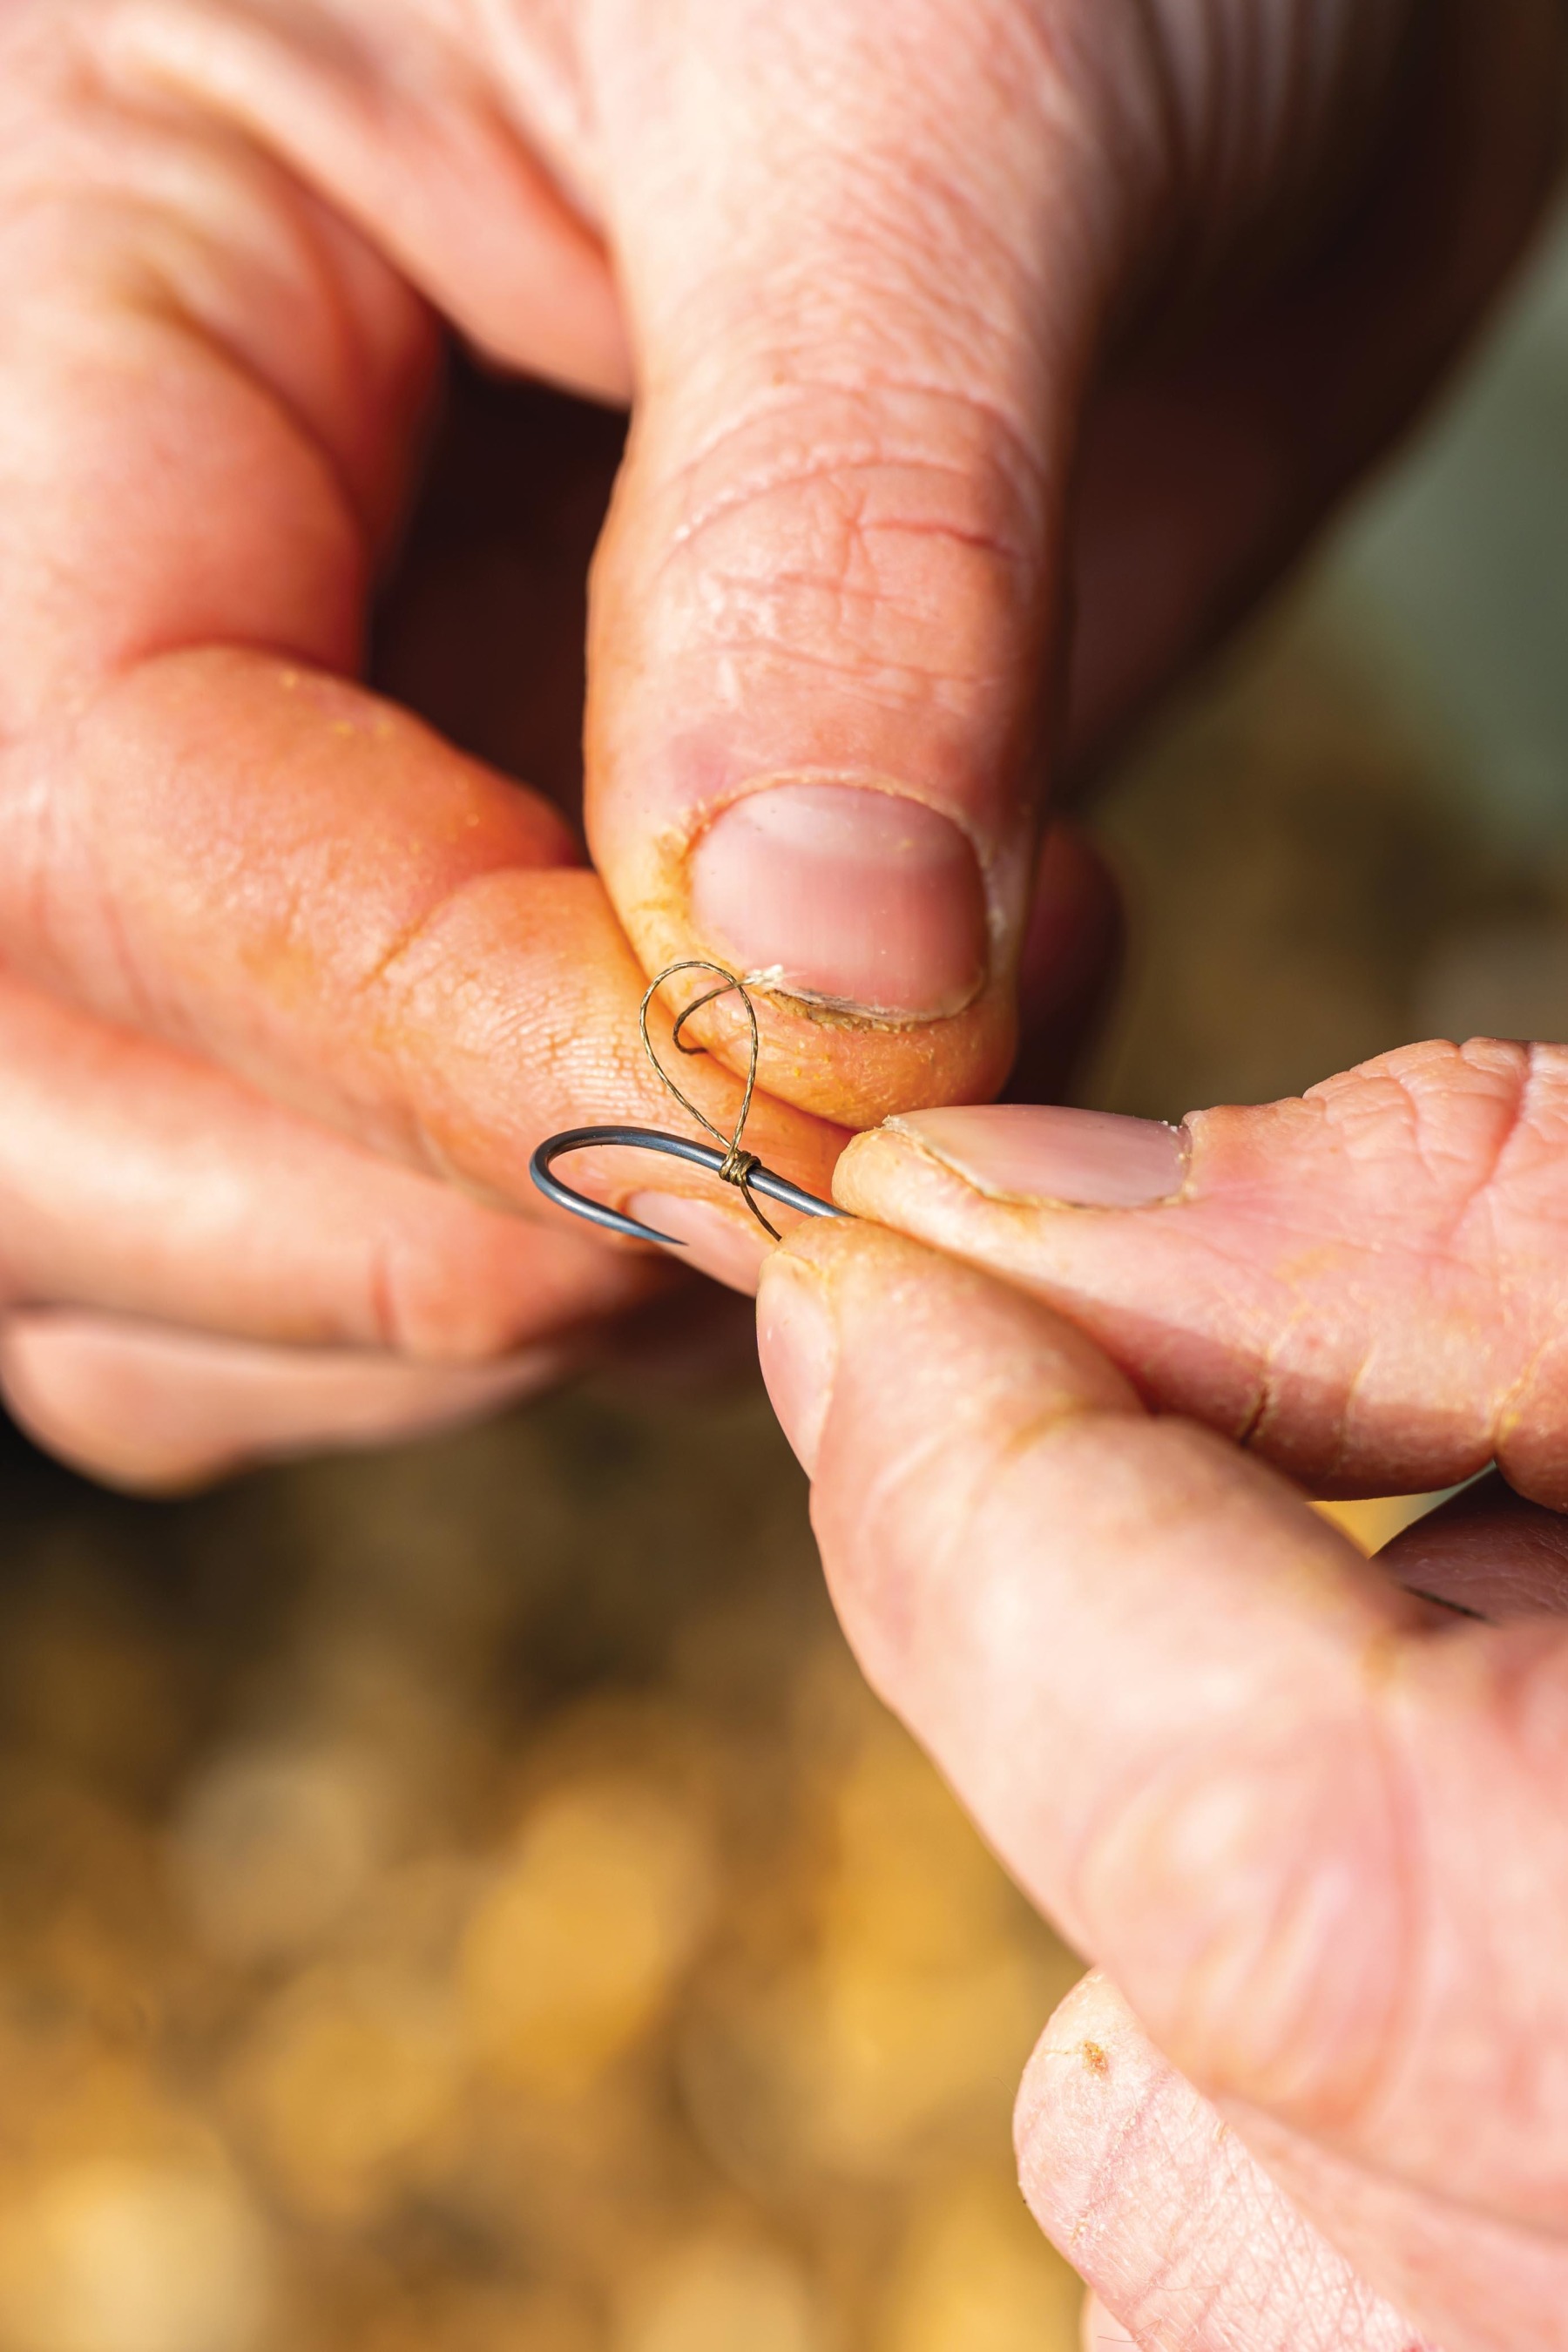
(738,1168)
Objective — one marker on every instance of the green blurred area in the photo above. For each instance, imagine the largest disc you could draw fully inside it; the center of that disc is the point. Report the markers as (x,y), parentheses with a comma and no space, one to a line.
(1355,833)
(467,1899)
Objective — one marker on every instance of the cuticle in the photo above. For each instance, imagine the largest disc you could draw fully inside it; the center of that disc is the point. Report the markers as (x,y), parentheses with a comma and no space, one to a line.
(852,780)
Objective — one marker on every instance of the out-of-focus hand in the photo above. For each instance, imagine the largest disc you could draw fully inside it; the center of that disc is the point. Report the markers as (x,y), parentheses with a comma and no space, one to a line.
(1304,1811)
(288,987)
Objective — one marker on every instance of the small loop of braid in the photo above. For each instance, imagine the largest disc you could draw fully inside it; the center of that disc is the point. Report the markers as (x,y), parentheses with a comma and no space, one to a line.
(739,1164)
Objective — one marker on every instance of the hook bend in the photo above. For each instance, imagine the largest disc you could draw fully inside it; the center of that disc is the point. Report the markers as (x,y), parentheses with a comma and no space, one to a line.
(673,1147)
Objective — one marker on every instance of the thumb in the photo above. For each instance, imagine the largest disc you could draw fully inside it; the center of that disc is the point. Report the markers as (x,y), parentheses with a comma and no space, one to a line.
(1368,1285)
(865,270)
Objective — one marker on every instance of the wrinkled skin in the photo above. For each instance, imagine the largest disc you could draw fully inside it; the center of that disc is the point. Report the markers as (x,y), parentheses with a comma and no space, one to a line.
(1304,1812)
(936,324)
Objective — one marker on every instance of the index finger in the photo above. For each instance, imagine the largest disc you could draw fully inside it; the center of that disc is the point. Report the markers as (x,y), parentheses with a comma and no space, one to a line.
(1310,1825)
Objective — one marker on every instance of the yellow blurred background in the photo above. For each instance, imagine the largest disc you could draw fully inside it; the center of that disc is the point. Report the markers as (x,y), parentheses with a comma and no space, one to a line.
(465,1900)
(461,1900)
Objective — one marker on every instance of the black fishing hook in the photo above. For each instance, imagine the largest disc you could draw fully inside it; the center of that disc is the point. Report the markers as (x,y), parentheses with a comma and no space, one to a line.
(674,1147)
(732,1165)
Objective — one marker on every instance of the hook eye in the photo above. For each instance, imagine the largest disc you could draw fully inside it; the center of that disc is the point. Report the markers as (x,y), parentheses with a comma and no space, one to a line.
(669,1147)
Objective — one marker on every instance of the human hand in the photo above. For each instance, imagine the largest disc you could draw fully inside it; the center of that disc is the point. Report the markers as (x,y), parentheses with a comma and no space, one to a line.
(1306,1822)
(285,977)
(289,987)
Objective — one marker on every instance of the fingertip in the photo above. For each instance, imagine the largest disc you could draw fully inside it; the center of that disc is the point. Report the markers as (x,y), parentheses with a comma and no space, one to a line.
(156,1411)
(65,1392)
(727,1249)
(797,1343)
(1099,2332)
(1081,2092)
(1075,2057)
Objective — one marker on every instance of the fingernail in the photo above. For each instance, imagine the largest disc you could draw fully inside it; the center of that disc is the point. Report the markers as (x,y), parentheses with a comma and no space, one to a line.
(1079,1158)
(716,1244)
(868,899)
(798,1346)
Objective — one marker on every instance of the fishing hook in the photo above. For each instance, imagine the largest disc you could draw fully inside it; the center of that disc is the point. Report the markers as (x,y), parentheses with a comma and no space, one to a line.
(732,1165)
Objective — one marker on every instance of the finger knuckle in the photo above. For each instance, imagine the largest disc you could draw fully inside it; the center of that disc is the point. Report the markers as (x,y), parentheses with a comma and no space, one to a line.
(431,1299)
(1262,1899)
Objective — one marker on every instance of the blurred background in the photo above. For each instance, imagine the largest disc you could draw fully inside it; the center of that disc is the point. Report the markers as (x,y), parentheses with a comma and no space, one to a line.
(464,1899)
